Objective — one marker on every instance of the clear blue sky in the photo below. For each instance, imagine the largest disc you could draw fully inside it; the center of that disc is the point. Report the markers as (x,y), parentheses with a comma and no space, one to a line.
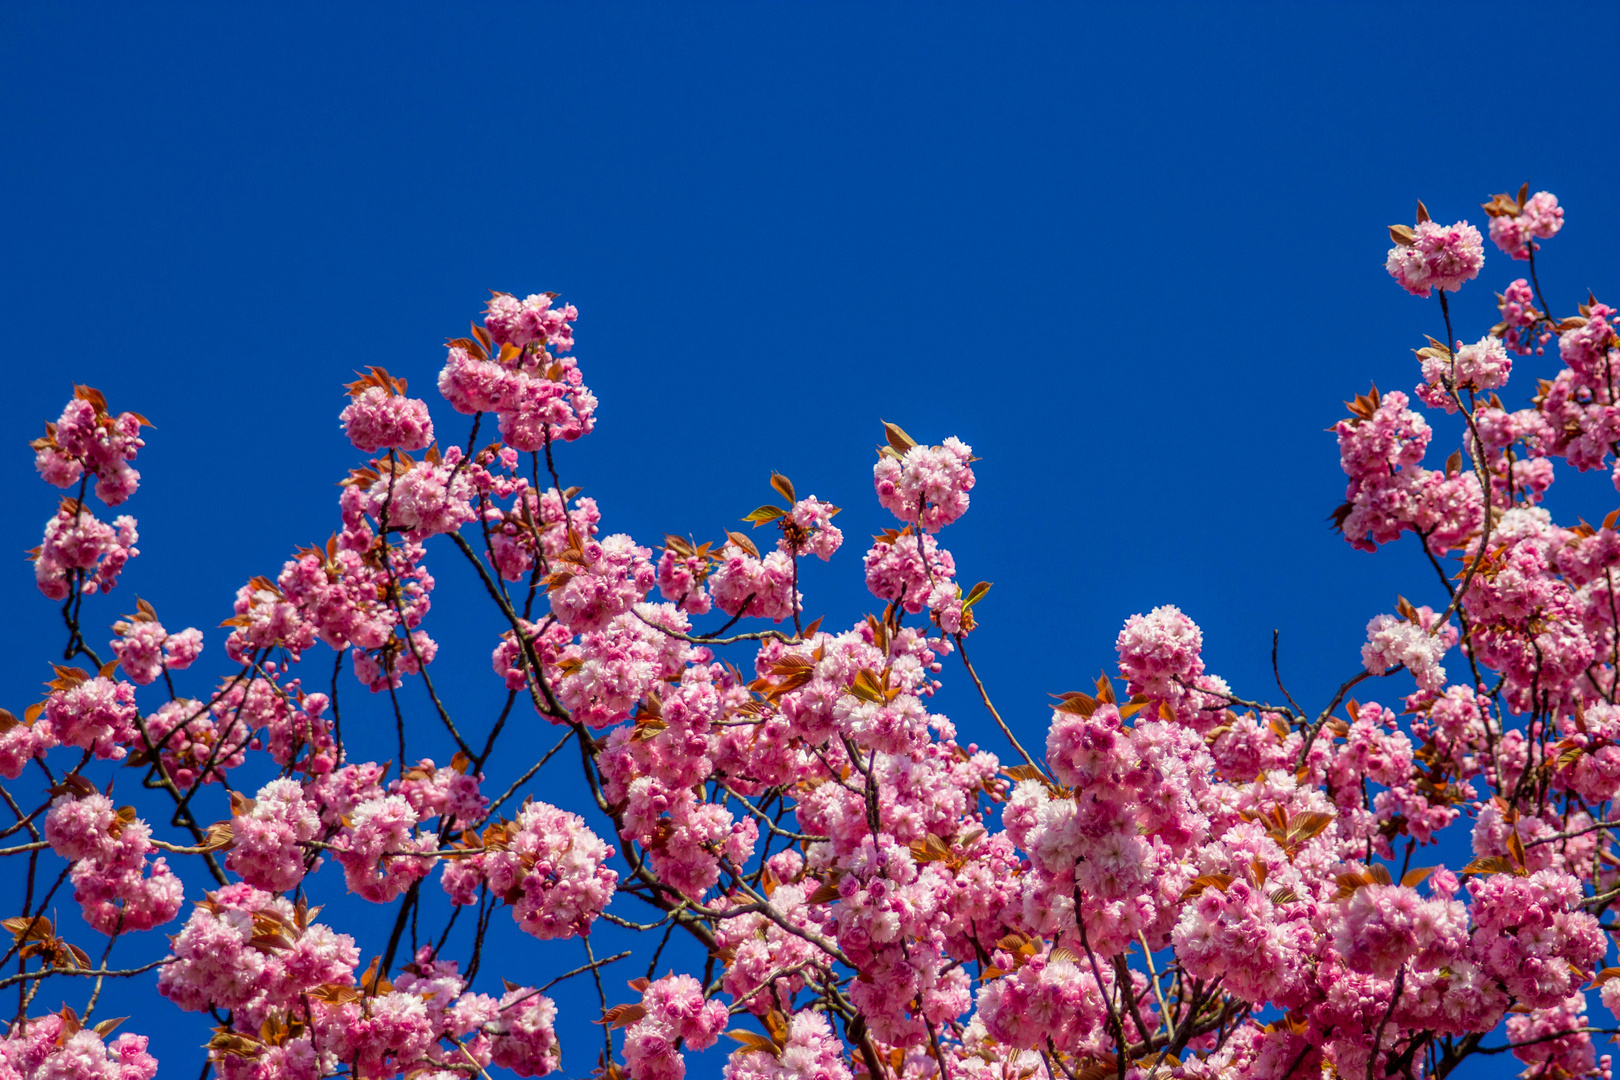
(1135,259)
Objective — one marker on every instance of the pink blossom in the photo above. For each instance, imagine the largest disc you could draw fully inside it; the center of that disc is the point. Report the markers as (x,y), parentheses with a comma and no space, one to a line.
(1400,642)
(380,417)
(675,1012)
(610,576)
(267,831)
(524,1036)
(56,1047)
(1519,315)
(22,742)
(1512,228)
(907,567)
(811,1052)
(815,533)
(145,649)
(550,870)
(88,437)
(1484,365)
(1437,257)
(1159,655)
(761,588)
(94,714)
(511,321)
(926,484)
(220,964)
(77,543)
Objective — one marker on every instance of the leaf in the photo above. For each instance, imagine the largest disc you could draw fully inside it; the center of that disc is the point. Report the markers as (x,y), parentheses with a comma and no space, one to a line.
(930,849)
(767,513)
(785,486)
(754,1042)
(26,928)
(1219,882)
(1305,826)
(92,395)
(1284,896)
(898,439)
(1415,876)
(1076,702)
(334,994)
(234,1044)
(1493,864)
(1604,976)
(743,542)
(1524,194)
(825,893)
(867,685)
(1515,847)
(1349,883)
(460,762)
(622,1015)
(219,837)
(1099,1071)
(1402,235)
(107,1027)
(1105,689)
(1423,212)
(976,594)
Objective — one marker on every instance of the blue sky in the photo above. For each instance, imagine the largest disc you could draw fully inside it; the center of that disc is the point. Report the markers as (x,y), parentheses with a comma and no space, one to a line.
(1133,257)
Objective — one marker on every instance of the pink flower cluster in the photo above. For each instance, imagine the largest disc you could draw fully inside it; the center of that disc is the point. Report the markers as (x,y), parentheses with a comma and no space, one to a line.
(1516,230)
(674,1013)
(88,439)
(531,321)
(1484,365)
(927,485)
(538,397)
(268,831)
(112,881)
(146,650)
(1431,256)
(1389,493)
(77,542)
(760,588)
(95,714)
(608,578)
(1414,644)
(809,1052)
(547,865)
(381,419)
(247,951)
(58,1047)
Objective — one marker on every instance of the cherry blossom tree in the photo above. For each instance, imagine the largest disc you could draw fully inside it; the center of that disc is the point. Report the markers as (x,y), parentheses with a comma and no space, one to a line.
(1183,881)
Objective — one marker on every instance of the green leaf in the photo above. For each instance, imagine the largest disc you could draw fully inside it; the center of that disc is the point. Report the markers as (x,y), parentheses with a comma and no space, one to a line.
(764,514)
